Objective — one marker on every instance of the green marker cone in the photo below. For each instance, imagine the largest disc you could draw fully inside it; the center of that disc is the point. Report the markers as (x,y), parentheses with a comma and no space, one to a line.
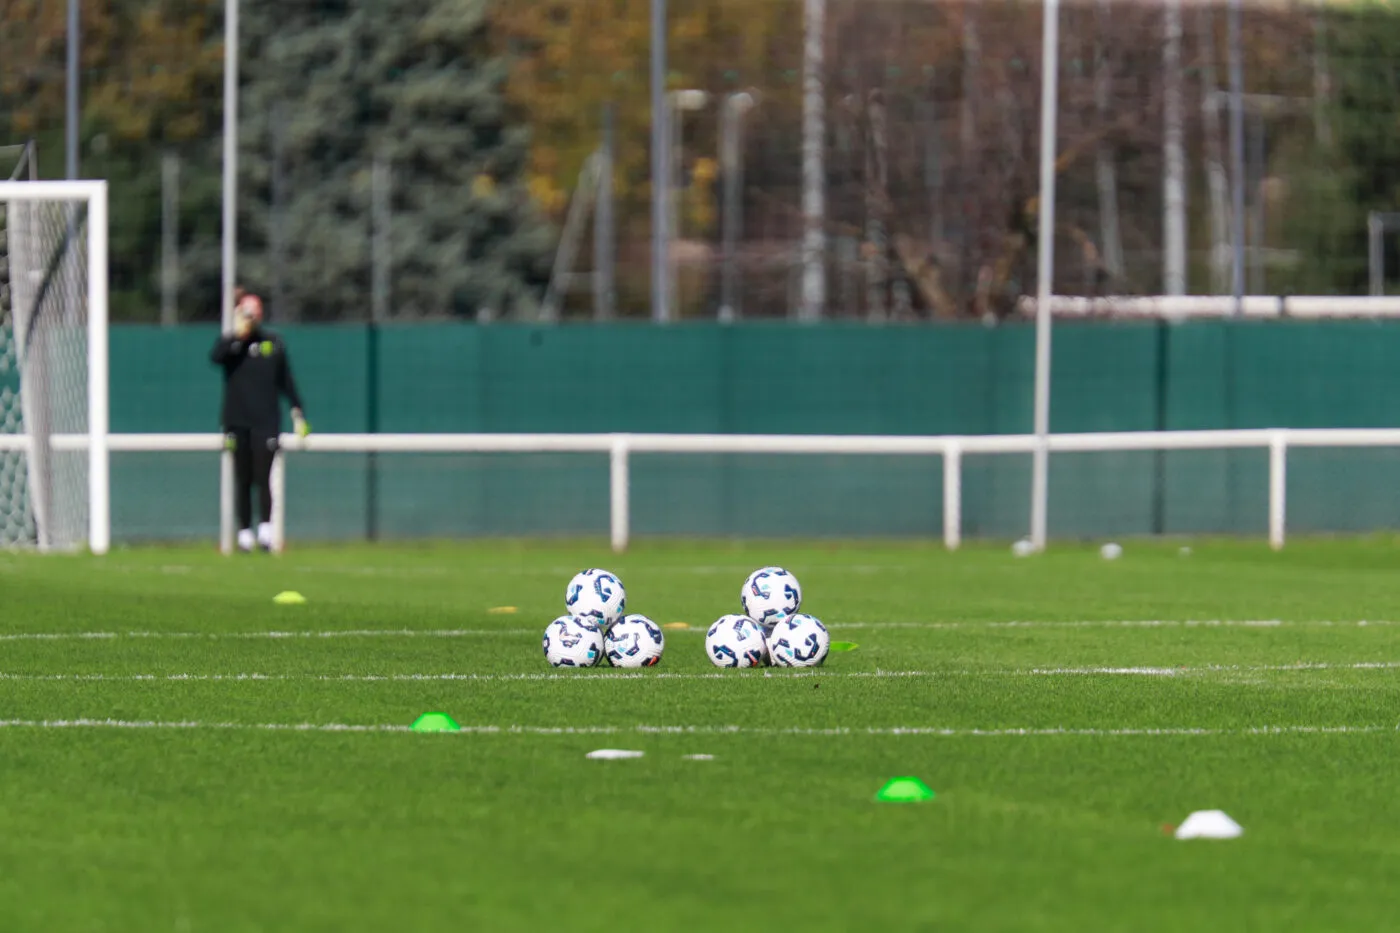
(904,790)
(289,598)
(844,646)
(435,722)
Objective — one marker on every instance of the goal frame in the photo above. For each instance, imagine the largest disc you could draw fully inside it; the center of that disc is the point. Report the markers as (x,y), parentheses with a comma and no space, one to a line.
(94,194)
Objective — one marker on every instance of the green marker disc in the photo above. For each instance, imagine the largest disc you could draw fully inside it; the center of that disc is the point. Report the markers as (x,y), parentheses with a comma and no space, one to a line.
(435,722)
(844,646)
(904,790)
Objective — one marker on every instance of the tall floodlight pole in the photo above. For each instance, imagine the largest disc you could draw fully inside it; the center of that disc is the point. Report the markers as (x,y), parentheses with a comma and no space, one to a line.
(1045,270)
(70,141)
(230,238)
(230,192)
(660,169)
(813,304)
(1174,179)
(1236,155)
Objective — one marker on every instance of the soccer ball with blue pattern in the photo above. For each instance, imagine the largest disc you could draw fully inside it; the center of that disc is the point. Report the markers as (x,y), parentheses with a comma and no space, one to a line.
(736,641)
(598,595)
(634,641)
(770,595)
(799,641)
(573,641)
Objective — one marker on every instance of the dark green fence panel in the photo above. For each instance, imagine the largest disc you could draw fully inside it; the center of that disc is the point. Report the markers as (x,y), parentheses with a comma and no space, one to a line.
(775,378)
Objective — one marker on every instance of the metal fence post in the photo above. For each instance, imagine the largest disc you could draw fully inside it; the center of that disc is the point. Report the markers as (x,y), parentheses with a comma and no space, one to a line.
(1278,488)
(620,491)
(952,496)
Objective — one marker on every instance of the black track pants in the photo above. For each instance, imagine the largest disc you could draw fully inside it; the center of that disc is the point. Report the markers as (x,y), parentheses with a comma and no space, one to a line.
(252,466)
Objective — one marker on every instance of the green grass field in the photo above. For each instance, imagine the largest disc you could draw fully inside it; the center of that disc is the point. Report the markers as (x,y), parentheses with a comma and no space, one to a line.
(151,782)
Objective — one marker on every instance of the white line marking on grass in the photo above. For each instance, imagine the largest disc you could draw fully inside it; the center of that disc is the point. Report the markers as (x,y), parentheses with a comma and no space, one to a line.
(521,632)
(917,731)
(612,676)
(215,636)
(1119,623)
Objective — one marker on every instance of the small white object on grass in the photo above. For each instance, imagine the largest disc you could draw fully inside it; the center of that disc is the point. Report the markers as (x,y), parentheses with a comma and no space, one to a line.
(1184,552)
(1209,824)
(698,757)
(1023,548)
(613,754)
(1111,551)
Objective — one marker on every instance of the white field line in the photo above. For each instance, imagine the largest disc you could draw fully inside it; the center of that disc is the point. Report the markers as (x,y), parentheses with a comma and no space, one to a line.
(610,676)
(232,636)
(1120,623)
(835,627)
(931,731)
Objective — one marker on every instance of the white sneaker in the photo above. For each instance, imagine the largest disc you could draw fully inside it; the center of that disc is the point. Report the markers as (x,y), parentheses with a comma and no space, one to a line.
(245,540)
(265,536)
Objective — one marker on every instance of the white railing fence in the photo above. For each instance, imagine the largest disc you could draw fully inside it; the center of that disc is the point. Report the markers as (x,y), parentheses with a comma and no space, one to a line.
(620,448)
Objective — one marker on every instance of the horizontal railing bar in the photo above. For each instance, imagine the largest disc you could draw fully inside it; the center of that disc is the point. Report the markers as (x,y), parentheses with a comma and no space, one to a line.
(830,444)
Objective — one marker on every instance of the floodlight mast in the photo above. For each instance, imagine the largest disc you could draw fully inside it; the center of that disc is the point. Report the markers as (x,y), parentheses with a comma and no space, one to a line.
(230,240)
(1049,92)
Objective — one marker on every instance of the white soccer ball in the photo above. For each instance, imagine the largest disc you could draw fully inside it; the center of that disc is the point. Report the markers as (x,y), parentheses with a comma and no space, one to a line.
(770,595)
(598,595)
(634,641)
(736,641)
(573,641)
(799,641)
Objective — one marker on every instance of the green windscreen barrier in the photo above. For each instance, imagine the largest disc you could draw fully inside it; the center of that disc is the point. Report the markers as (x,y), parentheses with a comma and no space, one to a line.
(774,378)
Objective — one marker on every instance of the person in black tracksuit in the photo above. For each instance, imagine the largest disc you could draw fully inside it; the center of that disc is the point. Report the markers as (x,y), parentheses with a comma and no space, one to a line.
(257,373)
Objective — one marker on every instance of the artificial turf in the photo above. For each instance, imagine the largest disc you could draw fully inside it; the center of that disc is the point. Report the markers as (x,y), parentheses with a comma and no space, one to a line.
(1063,707)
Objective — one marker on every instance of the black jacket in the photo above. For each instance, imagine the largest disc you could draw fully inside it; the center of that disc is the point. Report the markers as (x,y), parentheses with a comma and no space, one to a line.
(256,373)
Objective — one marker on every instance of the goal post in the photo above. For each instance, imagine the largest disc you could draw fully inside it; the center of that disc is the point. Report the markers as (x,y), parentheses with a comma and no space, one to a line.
(54,459)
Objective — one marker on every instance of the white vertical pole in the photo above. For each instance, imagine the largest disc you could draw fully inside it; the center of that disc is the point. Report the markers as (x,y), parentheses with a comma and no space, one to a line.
(278,485)
(620,490)
(952,496)
(226,501)
(1237,178)
(70,123)
(675,117)
(660,169)
(230,233)
(1049,78)
(813,303)
(99,477)
(1278,488)
(1174,174)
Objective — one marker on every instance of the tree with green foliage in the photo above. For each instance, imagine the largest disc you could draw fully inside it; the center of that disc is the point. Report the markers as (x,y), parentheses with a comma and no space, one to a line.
(329,88)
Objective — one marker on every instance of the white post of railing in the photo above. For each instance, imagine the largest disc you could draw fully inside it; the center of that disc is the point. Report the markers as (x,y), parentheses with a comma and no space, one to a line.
(226,529)
(278,486)
(1278,488)
(952,496)
(620,490)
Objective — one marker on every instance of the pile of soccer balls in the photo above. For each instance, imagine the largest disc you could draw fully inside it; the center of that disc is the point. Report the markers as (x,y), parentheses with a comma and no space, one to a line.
(770,630)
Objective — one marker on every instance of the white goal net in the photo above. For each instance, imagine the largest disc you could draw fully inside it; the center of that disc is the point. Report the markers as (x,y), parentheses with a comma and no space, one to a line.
(53,375)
